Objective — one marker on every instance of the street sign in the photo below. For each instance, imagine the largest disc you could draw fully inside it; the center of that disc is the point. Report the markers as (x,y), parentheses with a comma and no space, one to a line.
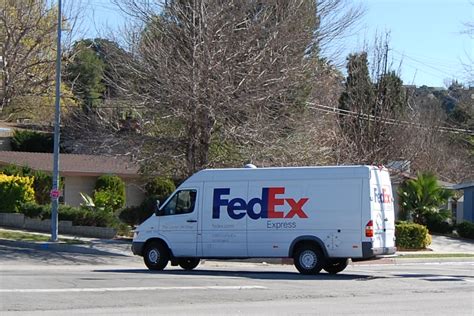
(55,193)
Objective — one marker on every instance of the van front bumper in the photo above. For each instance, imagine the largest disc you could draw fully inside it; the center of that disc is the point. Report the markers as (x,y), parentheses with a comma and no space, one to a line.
(369,252)
(137,247)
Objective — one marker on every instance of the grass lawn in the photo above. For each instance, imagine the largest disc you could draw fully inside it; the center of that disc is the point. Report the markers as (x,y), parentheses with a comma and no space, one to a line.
(23,236)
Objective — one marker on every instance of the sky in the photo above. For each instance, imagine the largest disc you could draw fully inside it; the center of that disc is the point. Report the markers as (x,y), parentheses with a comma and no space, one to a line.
(425,35)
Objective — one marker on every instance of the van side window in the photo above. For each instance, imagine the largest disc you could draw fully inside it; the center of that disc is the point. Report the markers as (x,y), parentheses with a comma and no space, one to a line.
(181,203)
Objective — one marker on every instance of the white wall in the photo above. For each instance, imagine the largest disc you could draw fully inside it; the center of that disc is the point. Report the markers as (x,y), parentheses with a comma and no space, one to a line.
(460,211)
(73,185)
(135,194)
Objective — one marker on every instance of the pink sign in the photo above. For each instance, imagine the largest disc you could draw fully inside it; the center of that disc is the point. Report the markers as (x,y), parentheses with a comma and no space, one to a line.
(55,193)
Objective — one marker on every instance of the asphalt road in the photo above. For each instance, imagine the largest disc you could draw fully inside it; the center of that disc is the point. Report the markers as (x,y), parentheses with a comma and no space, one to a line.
(41,282)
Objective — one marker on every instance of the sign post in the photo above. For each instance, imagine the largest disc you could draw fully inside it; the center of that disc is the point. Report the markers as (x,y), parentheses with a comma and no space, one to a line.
(55,190)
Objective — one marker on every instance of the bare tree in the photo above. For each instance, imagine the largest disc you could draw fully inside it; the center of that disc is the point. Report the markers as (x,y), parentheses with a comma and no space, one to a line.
(219,83)
(221,69)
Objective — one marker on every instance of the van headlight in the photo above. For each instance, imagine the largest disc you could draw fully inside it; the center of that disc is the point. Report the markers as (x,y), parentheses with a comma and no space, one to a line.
(135,234)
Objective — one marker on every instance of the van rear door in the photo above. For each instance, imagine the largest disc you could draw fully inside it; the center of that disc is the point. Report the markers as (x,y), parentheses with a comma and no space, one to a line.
(382,212)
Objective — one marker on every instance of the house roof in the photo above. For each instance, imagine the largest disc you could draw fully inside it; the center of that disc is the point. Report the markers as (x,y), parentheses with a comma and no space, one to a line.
(71,164)
(400,177)
(464,185)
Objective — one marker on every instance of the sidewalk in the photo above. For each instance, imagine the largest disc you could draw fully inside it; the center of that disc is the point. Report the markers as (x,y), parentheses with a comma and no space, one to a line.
(442,248)
(85,245)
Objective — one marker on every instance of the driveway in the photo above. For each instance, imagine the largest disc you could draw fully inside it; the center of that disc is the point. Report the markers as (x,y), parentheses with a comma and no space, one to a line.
(444,244)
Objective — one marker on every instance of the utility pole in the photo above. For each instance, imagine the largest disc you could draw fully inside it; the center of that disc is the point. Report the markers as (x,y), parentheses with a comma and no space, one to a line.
(57,120)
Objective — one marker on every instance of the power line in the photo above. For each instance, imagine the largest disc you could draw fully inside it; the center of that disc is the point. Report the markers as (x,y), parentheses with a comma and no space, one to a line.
(424,63)
(369,117)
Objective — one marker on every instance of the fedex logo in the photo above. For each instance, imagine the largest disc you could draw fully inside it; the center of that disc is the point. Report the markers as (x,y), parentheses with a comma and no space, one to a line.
(237,208)
(382,197)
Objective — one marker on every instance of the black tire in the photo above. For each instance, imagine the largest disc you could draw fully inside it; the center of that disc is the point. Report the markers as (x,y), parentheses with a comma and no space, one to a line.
(188,263)
(336,265)
(309,259)
(156,256)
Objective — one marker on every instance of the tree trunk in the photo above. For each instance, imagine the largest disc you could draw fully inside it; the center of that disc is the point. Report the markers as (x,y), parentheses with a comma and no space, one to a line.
(199,141)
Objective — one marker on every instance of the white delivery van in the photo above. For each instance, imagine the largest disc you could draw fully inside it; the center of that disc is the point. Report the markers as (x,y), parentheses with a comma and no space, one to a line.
(319,216)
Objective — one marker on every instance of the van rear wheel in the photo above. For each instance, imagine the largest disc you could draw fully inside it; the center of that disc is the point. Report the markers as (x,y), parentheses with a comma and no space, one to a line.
(309,259)
(156,256)
(188,263)
(336,265)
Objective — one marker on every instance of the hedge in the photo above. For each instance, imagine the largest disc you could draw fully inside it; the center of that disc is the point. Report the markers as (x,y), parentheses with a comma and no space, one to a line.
(439,222)
(32,141)
(412,236)
(160,187)
(135,215)
(466,230)
(15,190)
(78,216)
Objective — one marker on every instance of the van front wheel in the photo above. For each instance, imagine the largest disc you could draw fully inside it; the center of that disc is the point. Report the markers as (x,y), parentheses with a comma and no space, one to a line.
(335,265)
(309,259)
(156,256)
(188,263)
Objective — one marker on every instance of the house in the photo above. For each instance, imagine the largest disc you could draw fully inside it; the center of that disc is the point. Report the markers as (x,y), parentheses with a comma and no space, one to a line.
(5,135)
(465,210)
(80,172)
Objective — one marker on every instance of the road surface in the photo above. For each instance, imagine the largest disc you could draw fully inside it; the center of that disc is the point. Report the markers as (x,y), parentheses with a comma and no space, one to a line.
(35,282)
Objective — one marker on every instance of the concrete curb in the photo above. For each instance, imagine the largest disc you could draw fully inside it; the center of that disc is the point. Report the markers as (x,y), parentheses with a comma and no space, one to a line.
(58,247)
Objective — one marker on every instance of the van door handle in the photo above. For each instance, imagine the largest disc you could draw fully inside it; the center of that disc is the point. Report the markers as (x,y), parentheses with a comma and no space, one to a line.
(191,221)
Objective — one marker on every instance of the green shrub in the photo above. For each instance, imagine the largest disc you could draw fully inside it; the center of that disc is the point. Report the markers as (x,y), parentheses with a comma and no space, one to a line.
(439,222)
(42,184)
(99,218)
(15,190)
(135,215)
(14,170)
(160,187)
(32,142)
(130,215)
(465,229)
(42,181)
(109,182)
(81,216)
(412,236)
(109,192)
(32,210)
(421,196)
(107,200)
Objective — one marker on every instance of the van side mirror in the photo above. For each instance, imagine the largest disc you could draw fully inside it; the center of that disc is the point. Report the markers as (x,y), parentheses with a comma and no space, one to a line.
(157,208)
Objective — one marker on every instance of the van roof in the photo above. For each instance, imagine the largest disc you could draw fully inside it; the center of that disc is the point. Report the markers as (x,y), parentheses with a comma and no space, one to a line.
(281,173)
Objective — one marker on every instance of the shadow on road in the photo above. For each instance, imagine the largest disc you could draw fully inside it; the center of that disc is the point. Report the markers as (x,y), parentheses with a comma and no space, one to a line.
(433,277)
(259,275)
(13,252)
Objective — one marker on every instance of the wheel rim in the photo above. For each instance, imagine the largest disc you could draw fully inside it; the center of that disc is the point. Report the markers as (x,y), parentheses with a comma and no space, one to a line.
(153,255)
(308,259)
